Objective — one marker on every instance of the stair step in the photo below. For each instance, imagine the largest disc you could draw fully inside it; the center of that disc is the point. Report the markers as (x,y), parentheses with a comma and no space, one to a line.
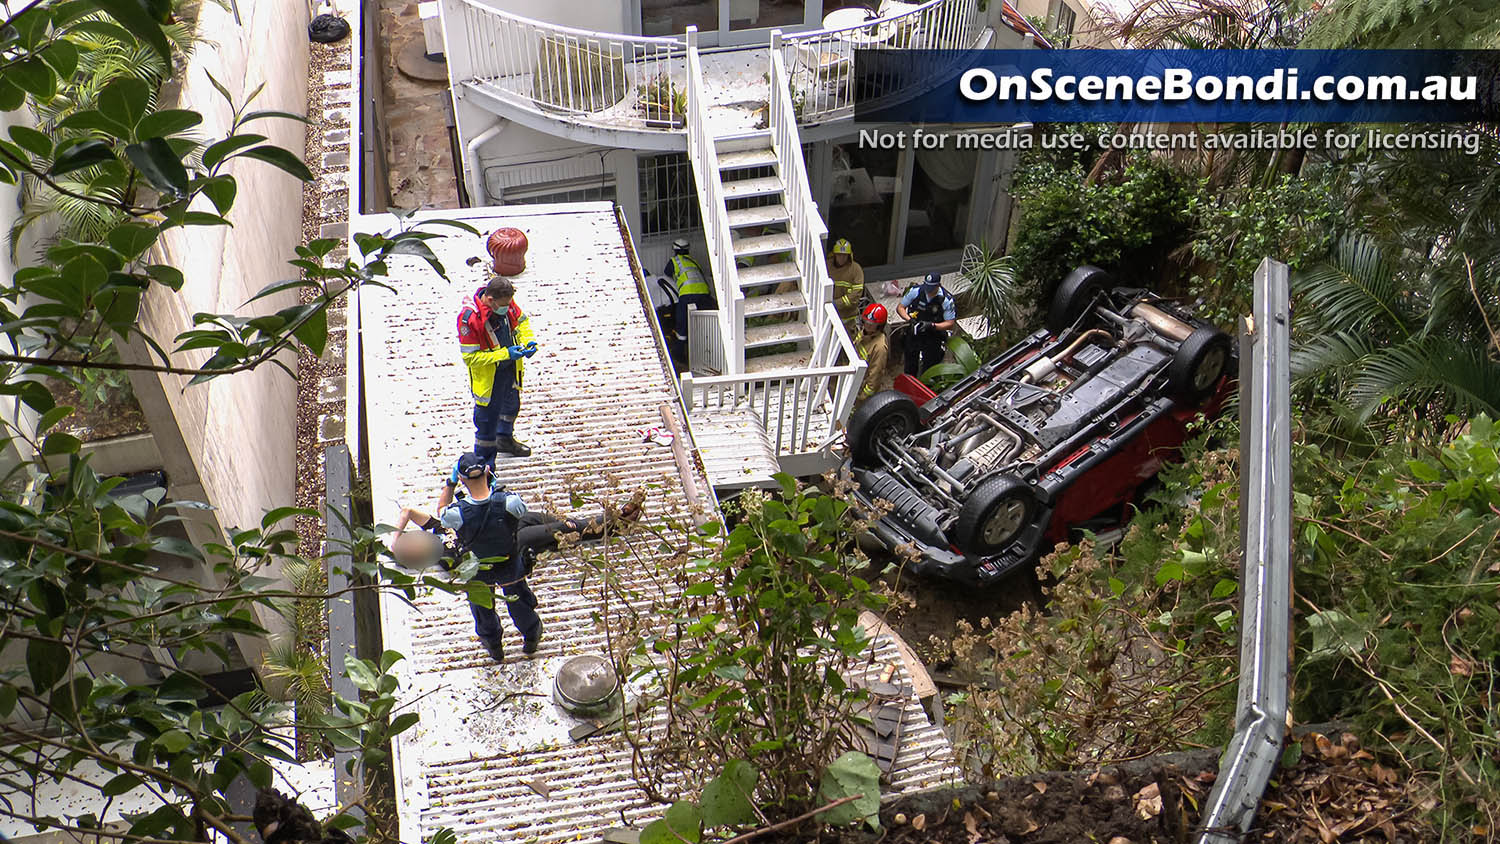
(756,139)
(799,359)
(740,159)
(746,188)
(761,336)
(767,244)
(763,215)
(769,274)
(775,303)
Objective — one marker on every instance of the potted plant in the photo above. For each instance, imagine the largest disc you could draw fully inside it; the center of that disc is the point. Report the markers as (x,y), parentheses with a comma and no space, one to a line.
(663,104)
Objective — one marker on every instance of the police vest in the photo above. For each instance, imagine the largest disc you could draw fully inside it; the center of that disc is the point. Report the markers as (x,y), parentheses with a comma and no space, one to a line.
(930,309)
(689,276)
(489,530)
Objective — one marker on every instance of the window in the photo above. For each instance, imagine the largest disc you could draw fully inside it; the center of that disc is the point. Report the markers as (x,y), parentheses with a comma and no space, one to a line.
(570,190)
(669,197)
(1064,19)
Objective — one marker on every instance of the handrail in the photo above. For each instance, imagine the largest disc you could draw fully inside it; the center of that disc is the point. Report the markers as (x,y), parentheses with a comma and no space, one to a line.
(805,224)
(822,61)
(594,78)
(703,155)
(784,402)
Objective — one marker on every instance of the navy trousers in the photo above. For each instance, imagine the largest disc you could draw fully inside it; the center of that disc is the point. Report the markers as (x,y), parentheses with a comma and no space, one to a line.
(496,421)
(537,534)
(925,352)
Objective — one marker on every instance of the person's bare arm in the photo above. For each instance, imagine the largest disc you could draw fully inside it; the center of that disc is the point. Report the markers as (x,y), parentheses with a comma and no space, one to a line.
(445,497)
(411,514)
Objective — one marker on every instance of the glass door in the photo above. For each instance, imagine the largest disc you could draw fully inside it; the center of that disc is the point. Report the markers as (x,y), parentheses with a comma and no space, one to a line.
(673,17)
(751,21)
(938,203)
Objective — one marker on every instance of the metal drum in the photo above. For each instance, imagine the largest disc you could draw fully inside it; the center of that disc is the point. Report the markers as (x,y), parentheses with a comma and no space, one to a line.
(586,686)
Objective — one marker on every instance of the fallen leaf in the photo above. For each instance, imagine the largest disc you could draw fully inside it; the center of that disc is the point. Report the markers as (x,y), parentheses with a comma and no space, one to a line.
(1040,787)
(971,823)
(1388,829)
(1382,774)
(1119,839)
(1031,826)
(1148,802)
(1460,667)
(919,822)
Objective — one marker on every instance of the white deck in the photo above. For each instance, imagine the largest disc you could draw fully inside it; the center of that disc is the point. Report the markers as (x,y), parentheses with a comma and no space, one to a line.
(735,89)
(490,741)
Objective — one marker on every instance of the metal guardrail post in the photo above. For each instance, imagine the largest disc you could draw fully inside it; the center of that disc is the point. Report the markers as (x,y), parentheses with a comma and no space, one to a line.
(343,638)
(1266,504)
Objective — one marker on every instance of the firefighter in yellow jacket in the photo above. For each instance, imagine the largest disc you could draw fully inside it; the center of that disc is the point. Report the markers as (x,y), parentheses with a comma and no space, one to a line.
(495,339)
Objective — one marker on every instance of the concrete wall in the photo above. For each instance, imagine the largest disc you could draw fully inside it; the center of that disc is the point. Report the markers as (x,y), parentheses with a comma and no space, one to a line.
(593,15)
(232,441)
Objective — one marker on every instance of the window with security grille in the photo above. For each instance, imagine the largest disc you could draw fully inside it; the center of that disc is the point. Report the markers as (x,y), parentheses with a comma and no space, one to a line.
(669,197)
(570,190)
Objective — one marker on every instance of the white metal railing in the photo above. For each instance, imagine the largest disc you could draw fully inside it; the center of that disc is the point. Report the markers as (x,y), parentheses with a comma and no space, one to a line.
(832,347)
(705,342)
(822,79)
(703,153)
(589,77)
(805,224)
(798,409)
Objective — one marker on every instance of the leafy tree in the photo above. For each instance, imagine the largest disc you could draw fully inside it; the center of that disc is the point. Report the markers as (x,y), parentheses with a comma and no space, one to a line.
(106,687)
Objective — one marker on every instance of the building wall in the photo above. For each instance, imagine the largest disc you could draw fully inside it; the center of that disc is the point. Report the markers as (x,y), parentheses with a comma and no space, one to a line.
(1087,29)
(232,441)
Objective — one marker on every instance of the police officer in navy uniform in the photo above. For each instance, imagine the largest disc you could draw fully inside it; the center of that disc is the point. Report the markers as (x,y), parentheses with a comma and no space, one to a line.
(932,313)
(486,520)
(692,284)
(497,523)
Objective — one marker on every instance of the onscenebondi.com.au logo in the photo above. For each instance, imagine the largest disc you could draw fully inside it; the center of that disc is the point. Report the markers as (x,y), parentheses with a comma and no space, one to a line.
(1160,86)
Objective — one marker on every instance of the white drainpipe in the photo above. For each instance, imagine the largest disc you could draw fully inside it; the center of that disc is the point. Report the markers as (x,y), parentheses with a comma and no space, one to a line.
(478,196)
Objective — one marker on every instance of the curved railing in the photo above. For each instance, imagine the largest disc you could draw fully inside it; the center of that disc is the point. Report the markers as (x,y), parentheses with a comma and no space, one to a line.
(639,83)
(820,64)
(596,78)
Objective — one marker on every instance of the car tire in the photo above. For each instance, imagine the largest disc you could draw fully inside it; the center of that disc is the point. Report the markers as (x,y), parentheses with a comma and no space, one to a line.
(1079,290)
(994,515)
(1198,364)
(887,413)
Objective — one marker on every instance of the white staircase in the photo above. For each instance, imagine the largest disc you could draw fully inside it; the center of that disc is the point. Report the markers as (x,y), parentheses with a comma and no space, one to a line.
(774,373)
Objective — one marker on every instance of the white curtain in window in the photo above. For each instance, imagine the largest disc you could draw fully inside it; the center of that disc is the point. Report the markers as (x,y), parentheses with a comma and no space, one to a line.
(949,169)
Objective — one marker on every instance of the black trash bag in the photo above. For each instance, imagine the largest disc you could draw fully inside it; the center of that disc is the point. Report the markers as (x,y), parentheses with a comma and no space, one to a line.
(326,29)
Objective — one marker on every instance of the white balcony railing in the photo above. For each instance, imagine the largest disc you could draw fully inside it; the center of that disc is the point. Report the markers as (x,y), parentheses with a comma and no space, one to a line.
(822,81)
(592,78)
(703,154)
(611,81)
(805,224)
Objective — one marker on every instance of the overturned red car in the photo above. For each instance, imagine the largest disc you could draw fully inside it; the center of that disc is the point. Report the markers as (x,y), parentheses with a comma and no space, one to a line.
(1063,427)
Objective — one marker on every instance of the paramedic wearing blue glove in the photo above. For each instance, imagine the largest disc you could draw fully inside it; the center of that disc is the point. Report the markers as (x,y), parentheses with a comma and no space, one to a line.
(495,339)
(932,314)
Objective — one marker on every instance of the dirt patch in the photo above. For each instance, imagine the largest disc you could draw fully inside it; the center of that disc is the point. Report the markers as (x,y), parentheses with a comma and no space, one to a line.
(120,416)
(1335,792)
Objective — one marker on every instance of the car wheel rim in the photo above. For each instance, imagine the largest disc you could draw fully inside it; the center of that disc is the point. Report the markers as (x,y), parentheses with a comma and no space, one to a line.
(892,428)
(1210,369)
(1004,522)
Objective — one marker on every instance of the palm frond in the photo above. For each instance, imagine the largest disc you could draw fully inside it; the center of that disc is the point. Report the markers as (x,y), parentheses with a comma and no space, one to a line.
(1357,289)
(1430,372)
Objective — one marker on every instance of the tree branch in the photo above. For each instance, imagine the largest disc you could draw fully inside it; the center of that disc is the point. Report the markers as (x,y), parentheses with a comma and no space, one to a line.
(776,827)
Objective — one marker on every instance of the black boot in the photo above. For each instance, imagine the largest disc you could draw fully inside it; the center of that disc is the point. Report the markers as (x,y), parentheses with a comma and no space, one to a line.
(529,646)
(495,650)
(513,446)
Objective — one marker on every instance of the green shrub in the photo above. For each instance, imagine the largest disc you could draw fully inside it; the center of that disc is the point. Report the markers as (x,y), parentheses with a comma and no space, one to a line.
(1130,228)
